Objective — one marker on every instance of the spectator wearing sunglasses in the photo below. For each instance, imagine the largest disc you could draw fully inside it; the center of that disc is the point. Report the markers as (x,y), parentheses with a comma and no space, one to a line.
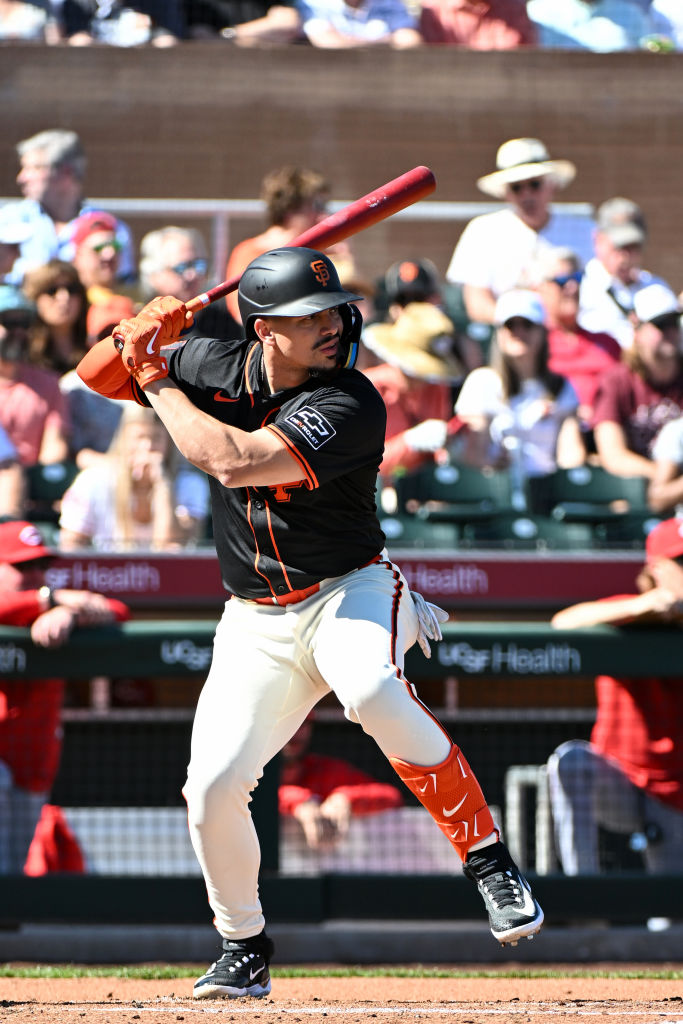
(52,180)
(58,334)
(173,261)
(32,409)
(496,250)
(97,255)
(575,353)
(615,273)
(644,391)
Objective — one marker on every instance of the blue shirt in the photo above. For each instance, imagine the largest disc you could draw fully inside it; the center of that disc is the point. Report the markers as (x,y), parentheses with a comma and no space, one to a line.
(46,243)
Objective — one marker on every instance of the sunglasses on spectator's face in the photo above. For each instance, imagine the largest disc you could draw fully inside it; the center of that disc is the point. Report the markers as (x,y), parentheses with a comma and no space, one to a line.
(563,279)
(72,288)
(200,266)
(111,244)
(533,184)
(667,323)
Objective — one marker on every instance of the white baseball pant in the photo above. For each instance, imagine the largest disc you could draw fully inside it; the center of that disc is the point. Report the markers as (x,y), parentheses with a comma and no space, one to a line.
(271,665)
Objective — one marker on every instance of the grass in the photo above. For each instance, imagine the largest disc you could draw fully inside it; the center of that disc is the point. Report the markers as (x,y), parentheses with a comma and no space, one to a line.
(162,972)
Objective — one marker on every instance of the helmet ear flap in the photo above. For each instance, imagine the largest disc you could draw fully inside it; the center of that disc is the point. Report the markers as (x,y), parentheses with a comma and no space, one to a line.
(350,336)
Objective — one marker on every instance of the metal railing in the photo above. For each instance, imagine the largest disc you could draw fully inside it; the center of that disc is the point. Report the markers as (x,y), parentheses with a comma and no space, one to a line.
(221,212)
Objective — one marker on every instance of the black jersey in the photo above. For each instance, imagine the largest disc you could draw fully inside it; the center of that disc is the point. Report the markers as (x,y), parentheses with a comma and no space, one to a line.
(273,540)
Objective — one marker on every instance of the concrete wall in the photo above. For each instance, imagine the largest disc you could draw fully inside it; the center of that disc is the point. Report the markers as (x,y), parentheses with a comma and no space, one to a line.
(207,121)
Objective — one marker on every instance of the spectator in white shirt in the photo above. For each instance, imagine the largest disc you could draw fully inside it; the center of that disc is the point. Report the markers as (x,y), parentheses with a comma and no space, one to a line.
(496,251)
(519,413)
(614,275)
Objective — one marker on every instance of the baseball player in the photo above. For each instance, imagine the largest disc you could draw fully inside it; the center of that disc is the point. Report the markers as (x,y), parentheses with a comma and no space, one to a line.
(291,437)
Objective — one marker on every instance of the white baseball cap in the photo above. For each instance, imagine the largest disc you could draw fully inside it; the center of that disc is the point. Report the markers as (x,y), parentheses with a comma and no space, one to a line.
(519,302)
(655,302)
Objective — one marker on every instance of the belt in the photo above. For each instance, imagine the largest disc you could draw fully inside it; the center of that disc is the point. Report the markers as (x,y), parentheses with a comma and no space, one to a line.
(295,596)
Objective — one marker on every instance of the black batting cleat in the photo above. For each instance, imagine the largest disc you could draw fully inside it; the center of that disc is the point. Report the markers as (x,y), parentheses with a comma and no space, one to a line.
(241,971)
(513,911)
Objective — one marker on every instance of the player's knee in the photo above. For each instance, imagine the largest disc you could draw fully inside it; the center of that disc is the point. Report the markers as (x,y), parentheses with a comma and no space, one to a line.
(208,794)
(374,706)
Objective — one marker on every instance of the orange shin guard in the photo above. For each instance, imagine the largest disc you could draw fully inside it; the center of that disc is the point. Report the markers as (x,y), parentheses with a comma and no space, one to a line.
(453,797)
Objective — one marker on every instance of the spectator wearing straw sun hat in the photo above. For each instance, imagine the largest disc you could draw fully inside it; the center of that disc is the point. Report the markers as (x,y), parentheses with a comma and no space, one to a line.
(496,250)
(416,379)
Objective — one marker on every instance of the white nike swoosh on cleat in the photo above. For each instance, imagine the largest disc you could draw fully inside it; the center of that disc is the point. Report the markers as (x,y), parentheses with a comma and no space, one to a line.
(254,974)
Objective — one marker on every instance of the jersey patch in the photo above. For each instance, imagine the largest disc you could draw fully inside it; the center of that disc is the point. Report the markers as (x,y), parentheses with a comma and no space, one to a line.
(312,426)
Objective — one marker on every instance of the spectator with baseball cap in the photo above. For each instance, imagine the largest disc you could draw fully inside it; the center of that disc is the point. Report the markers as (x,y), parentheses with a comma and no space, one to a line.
(575,353)
(520,414)
(417,280)
(30,709)
(629,777)
(97,255)
(495,252)
(614,273)
(644,390)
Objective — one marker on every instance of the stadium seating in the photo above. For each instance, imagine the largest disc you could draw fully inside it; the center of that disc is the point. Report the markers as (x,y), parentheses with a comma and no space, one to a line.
(454,493)
(587,494)
(524,531)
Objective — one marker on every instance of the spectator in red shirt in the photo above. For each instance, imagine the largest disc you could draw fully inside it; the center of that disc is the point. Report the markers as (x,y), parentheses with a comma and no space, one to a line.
(643,392)
(477,24)
(629,778)
(30,730)
(579,355)
(323,793)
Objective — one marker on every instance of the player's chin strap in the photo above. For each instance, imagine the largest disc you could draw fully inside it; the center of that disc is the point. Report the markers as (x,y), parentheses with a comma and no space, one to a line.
(350,336)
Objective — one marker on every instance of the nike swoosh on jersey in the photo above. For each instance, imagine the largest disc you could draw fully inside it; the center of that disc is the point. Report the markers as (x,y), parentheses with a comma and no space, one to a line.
(218,397)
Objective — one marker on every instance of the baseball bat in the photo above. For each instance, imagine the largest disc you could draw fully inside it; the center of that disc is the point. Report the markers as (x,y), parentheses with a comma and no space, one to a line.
(377,205)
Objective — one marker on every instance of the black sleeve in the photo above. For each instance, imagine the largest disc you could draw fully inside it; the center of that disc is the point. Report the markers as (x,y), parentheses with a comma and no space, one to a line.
(337,429)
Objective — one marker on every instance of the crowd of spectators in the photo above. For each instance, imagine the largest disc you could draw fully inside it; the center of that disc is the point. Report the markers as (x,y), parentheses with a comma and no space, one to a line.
(546,345)
(596,25)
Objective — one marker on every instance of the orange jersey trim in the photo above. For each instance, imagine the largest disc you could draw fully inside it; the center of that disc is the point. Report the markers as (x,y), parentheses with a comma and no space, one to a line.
(309,476)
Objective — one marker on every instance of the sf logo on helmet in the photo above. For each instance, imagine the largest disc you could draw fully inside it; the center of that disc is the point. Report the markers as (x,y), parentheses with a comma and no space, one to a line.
(320,271)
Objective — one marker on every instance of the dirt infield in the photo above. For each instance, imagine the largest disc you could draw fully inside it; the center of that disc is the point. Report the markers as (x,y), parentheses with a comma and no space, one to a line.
(375,1000)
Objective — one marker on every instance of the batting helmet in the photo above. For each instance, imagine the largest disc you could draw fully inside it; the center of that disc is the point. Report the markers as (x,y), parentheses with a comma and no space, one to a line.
(289,282)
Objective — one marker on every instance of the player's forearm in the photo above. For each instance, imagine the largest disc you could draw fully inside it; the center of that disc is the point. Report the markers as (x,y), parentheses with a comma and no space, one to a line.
(606,613)
(236,458)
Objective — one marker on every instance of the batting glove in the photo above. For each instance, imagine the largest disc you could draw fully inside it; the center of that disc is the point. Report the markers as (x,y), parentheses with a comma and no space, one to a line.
(429,617)
(428,436)
(140,339)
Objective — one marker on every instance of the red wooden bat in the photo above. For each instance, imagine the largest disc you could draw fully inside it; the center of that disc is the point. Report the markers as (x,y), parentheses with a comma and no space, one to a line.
(377,205)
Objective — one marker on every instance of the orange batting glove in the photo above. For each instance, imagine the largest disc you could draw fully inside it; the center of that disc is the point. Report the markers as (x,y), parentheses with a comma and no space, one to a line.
(141,338)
